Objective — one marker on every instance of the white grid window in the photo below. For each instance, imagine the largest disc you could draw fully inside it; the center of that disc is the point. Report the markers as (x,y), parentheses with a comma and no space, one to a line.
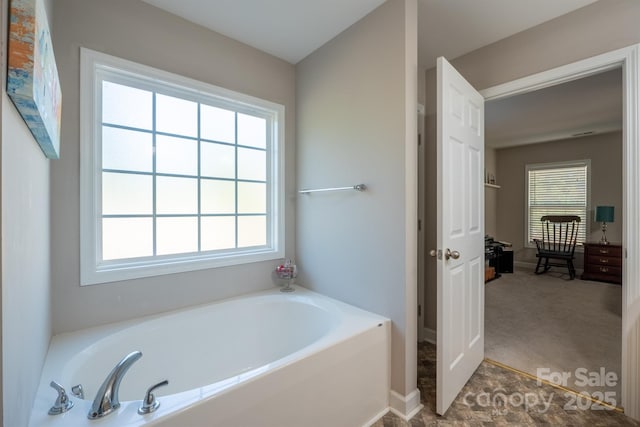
(560,188)
(177,175)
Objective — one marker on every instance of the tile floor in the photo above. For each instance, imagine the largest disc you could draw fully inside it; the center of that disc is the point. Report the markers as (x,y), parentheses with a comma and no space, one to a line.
(547,405)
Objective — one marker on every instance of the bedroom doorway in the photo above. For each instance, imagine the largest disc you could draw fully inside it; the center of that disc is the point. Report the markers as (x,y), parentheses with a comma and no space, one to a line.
(625,59)
(574,130)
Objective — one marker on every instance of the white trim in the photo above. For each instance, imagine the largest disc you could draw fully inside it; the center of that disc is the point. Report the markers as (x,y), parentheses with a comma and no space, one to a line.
(566,73)
(376,418)
(627,59)
(630,239)
(532,266)
(93,270)
(410,196)
(524,264)
(406,407)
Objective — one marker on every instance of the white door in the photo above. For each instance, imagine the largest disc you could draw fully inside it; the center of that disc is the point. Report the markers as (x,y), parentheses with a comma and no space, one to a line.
(460,233)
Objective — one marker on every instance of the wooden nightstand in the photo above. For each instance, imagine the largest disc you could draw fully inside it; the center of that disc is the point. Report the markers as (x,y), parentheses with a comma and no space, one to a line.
(603,262)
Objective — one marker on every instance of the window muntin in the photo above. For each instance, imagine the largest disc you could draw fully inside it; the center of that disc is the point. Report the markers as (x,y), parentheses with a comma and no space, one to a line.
(560,188)
(168,188)
(183,175)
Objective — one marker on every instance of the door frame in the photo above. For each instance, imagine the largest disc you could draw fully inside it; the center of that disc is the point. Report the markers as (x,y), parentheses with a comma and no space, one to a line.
(626,59)
(422,226)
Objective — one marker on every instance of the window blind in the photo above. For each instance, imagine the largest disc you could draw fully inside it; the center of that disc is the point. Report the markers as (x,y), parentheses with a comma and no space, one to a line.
(557,190)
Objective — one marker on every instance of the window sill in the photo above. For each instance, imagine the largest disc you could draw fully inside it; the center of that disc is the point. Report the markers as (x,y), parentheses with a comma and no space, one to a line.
(117,272)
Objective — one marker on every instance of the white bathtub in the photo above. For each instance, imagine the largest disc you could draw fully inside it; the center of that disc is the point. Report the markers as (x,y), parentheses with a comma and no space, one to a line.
(266,359)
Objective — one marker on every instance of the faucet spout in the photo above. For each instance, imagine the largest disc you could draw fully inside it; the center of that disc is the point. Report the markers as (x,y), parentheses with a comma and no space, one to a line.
(106,400)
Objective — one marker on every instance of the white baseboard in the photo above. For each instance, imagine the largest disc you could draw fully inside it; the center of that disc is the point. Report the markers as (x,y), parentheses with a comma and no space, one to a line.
(523,264)
(532,266)
(430,335)
(375,419)
(406,407)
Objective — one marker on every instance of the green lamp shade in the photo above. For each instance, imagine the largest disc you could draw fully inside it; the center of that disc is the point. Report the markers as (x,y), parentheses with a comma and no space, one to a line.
(604,214)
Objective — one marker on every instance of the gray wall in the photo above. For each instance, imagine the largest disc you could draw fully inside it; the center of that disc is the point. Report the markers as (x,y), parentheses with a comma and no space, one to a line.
(136,31)
(26,312)
(598,28)
(605,153)
(356,99)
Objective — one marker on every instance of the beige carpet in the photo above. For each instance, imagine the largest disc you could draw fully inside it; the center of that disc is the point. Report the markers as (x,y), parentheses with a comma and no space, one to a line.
(547,321)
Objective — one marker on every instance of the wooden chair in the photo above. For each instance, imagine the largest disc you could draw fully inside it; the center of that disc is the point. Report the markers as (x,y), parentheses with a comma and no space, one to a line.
(559,236)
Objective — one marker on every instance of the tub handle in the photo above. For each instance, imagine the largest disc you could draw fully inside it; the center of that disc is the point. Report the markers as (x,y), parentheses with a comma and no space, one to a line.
(78,391)
(150,403)
(63,403)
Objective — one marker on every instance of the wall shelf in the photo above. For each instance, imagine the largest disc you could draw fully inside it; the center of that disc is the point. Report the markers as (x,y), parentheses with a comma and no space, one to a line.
(486,184)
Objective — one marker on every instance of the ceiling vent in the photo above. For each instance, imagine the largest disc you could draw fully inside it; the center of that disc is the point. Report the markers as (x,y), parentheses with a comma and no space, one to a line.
(589,132)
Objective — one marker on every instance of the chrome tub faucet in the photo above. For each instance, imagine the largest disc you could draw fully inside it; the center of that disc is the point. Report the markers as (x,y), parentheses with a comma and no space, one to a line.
(106,400)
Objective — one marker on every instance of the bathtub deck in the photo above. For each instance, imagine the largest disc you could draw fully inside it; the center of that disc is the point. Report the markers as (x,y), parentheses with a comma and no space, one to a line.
(298,355)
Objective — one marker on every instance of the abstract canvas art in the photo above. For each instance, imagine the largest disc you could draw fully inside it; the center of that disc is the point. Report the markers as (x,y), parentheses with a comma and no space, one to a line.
(32,79)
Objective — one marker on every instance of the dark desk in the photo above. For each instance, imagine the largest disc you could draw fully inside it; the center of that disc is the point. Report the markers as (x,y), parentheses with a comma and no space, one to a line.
(499,257)
(503,262)
(603,262)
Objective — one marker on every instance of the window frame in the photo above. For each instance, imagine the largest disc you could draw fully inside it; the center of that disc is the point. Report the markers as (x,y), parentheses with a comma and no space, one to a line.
(94,66)
(557,165)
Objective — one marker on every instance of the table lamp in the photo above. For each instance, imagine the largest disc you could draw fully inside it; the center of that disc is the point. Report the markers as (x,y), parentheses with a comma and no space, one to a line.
(604,214)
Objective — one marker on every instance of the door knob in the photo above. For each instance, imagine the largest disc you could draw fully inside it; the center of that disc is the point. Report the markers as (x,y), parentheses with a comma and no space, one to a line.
(436,253)
(451,254)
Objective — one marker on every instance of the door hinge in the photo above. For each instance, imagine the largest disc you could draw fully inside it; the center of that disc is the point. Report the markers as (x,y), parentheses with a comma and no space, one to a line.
(419,225)
(419,310)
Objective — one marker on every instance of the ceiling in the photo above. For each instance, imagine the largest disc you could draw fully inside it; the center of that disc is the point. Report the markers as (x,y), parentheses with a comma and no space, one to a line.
(451,28)
(578,108)
(287,29)
(292,29)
